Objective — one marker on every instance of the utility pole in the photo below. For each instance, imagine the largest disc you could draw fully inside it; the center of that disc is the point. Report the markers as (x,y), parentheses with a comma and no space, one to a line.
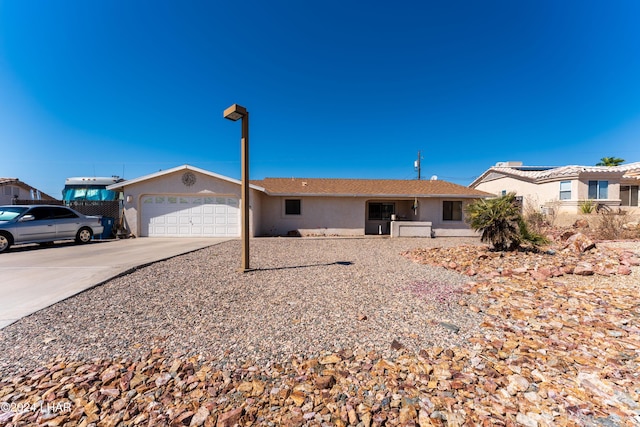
(416,165)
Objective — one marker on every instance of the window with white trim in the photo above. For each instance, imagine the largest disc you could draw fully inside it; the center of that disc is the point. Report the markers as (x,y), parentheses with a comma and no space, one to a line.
(598,190)
(565,190)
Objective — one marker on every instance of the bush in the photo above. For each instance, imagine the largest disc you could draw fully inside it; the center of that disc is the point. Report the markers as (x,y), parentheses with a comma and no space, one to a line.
(501,224)
(609,226)
(535,220)
(587,206)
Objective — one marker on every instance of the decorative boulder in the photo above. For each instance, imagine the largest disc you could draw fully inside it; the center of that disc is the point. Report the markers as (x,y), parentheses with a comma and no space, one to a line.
(579,243)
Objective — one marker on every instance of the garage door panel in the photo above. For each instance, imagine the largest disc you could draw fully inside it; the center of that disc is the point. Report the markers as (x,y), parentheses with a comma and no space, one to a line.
(183,216)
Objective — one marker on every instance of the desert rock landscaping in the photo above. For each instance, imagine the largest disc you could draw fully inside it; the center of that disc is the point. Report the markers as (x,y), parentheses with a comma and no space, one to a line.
(361,332)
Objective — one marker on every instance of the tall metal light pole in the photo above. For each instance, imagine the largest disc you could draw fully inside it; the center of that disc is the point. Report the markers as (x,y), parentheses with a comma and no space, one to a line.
(234,113)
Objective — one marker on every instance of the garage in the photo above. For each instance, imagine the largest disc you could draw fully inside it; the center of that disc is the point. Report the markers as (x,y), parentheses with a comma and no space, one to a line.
(190,216)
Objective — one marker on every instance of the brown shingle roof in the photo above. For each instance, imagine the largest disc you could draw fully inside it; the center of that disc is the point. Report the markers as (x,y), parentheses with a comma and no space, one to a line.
(366,187)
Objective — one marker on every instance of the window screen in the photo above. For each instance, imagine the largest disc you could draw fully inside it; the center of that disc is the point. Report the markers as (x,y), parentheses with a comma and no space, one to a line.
(292,207)
(452,211)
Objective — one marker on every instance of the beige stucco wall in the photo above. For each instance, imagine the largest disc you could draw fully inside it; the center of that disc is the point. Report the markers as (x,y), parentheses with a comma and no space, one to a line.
(171,184)
(547,194)
(430,209)
(534,195)
(320,216)
(347,216)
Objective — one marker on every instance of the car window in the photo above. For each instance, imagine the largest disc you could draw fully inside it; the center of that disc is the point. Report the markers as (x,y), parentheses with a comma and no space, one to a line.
(9,213)
(62,213)
(40,213)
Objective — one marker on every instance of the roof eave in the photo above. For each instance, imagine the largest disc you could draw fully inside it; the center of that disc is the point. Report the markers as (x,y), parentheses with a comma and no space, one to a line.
(386,196)
(158,174)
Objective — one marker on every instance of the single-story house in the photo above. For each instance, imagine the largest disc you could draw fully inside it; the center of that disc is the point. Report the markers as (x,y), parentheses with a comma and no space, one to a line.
(189,201)
(565,188)
(12,190)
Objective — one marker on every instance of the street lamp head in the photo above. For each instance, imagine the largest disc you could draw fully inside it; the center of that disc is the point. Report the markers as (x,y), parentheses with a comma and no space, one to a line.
(235,112)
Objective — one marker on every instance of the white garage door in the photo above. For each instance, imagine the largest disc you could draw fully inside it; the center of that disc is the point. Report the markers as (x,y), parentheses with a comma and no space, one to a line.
(188,216)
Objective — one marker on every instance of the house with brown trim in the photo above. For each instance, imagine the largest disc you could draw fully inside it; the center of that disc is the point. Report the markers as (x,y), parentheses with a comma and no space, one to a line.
(189,201)
(12,190)
(565,189)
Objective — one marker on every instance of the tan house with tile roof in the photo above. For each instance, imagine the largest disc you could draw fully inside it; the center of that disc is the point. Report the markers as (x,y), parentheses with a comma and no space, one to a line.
(12,189)
(188,201)
(565,188)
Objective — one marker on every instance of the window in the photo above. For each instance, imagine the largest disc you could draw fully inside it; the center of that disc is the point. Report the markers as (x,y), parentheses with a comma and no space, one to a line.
(451,211)
(40,213)
(629,195)
(598,190)
(292,207)
(59,213)
(10,190)
(381,211)
(565,190)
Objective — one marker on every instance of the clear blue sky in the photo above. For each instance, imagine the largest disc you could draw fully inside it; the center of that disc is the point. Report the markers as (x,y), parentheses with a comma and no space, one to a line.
(335,88)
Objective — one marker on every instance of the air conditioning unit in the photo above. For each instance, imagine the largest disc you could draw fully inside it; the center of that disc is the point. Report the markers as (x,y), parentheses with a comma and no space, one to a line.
(546,210)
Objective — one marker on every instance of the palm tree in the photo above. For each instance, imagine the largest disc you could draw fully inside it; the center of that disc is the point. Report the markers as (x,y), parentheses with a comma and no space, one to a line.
(501,223)
(498,220)
(610,161)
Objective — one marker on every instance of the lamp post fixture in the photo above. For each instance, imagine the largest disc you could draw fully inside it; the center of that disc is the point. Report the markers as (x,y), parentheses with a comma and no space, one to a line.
(234,113)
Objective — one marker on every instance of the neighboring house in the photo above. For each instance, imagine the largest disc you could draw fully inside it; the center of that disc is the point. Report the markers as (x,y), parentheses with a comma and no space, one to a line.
(188,201)
(565,188)
(12,190)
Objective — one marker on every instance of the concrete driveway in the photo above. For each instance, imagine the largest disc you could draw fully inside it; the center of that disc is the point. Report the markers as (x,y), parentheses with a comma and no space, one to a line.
(34,277)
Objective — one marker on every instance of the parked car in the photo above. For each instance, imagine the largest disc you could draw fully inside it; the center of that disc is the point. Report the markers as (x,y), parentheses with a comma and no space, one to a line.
(45,223)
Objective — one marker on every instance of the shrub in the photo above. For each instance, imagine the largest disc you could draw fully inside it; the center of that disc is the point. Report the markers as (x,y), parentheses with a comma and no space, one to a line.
(497,220)
(609,226)
(535,220)
(587,206)
(501,224)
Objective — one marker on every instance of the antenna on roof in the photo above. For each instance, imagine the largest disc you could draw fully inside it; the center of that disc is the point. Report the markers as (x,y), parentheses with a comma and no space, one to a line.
(434,177)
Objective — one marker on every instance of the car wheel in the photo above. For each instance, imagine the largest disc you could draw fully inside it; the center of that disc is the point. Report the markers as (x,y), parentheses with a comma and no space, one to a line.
(5,242)
(84,235)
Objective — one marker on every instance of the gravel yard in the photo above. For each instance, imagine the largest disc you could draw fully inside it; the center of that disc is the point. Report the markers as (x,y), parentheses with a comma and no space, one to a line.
(305,297)
(339,332)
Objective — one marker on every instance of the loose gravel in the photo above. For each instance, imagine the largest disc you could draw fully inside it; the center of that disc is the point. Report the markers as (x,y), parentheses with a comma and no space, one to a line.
(305,297)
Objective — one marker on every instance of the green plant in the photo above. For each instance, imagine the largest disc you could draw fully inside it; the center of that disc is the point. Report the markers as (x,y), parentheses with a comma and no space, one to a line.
(610,161)
(501,224)
(532,236)
(587,206)
(497,219)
